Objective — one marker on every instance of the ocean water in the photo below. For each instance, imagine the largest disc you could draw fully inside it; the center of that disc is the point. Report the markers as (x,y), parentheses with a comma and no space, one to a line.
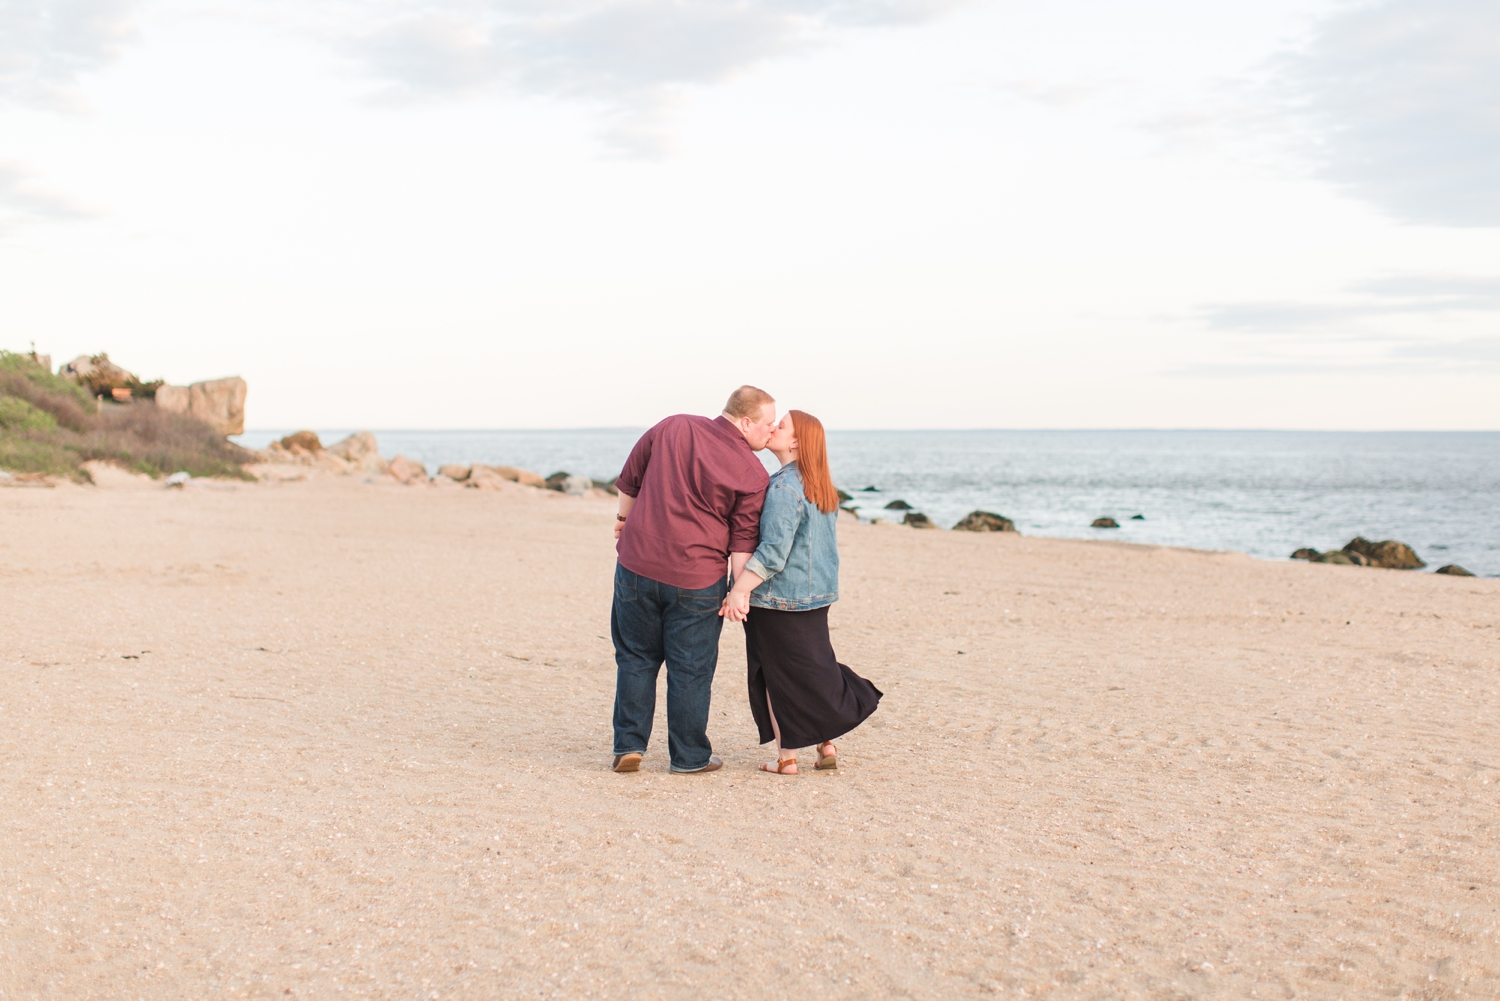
(1264,493)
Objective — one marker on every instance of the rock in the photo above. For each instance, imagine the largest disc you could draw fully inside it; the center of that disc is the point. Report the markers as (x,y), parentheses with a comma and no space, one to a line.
(179,479)
(407,470)
(608,488)
(1306,554)
(454,472)
(219,403)
(1338,558)
(898,505)
(1138,517)
(843,497)
(522,476)
(360,451)
(577,486)
(1105,523)
(984,521)
(305,441)
(445,481)
(916,519)
(485,478)
(1389,554)
(870,490)
(1453,570)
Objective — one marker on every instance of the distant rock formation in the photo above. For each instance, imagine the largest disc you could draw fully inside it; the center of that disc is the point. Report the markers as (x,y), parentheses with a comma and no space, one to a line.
(567,483)
(917,519)
(480,473)
(219,403)
(984,521)
(454,472)
(361,452)
(1306,554)
(305,441)
(898,505)
(1390,554)
(1453,570)
(1105,523)
(1340,558)
(405,470)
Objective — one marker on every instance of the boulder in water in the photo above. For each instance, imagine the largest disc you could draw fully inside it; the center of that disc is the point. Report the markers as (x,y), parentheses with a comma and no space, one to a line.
(1105,523)
(1138,517)
(1306,554)
(984,521)
(1340,558)
(1389,554)
(843,496)
(916,519)
(1453,570)
(898,505)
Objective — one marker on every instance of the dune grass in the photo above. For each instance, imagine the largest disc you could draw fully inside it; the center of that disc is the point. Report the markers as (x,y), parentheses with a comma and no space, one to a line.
(50,424)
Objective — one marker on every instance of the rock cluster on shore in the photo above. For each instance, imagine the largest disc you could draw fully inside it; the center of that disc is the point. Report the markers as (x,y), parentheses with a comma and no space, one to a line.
(359,453)
(1361,552)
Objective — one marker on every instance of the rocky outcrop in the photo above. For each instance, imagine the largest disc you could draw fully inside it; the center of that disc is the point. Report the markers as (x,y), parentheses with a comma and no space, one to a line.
(1306,554)
(405,470)
(1453,570)
(1389,554)
(361,452)
(219,403)
(898,505)
(608,487)
(454,472)
(916,519)
(844,498)
(1138,517)
(984,521)
(1337,557)
(1105,523)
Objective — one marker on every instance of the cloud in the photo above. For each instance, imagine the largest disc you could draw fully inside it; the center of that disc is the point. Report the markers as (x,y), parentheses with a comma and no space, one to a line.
(46,46)
(1404,98)
(1401,322)
(23,201)
(632,59)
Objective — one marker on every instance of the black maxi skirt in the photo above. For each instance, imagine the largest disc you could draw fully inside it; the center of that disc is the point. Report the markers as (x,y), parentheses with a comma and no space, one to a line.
(816,698)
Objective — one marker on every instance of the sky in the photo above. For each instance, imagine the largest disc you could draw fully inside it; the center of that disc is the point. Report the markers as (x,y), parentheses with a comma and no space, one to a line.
(889,213)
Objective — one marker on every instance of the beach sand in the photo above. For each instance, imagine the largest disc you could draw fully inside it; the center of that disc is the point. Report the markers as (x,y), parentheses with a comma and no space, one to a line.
(334,739)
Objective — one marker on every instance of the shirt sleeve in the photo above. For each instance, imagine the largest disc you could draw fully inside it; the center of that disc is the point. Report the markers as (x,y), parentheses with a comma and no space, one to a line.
(629,482)
(744,522)
(778,527)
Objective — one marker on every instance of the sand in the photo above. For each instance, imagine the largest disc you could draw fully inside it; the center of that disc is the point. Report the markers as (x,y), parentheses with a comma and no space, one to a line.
(334,739)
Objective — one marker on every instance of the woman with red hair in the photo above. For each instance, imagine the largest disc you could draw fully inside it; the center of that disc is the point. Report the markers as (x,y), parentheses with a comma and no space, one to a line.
(800,694)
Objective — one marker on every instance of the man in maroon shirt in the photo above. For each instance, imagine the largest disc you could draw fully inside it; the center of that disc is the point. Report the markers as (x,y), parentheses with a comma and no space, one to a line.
(690,500)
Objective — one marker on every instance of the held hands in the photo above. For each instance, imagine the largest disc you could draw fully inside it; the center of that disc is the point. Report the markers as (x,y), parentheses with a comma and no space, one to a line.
(736,606)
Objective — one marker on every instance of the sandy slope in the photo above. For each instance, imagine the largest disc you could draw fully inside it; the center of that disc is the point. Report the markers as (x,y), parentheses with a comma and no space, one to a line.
(329,739)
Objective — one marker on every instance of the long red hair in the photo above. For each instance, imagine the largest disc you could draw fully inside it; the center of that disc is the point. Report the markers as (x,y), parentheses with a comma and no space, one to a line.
(812,461)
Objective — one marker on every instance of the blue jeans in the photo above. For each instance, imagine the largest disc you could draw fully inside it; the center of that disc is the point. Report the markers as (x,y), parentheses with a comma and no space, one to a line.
(653,622)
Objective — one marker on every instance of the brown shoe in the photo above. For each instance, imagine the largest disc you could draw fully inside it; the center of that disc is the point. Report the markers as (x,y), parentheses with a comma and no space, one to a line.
(714,764)
(628,762)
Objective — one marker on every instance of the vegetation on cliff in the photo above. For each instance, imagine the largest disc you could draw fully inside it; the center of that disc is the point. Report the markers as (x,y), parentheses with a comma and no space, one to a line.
(51,424)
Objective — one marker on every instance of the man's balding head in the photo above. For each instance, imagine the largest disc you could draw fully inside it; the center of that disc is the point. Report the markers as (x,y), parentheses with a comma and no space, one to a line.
(753,412)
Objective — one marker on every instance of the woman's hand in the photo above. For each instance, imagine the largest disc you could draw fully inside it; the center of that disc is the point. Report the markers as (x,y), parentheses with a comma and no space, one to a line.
(736,606)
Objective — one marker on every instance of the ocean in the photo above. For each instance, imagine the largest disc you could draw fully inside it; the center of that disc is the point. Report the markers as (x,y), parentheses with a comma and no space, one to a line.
(1264,493)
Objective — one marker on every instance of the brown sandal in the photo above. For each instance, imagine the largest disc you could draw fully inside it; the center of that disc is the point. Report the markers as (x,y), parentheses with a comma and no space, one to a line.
(830,760)
(781,766)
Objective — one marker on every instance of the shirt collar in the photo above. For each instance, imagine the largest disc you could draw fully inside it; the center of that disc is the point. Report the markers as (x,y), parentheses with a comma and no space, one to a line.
(724,426)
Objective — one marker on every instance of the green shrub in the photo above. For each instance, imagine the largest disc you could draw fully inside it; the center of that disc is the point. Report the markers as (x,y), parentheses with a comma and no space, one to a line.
(16,414)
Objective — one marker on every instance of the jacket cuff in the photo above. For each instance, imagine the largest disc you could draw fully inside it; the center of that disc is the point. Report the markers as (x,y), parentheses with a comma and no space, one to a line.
(758,568)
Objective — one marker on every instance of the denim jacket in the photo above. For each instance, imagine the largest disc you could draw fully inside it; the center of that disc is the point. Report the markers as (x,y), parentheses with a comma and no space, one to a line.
(798,555)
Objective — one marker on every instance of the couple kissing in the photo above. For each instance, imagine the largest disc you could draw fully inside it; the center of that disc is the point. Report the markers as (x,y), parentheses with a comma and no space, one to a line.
(703,534)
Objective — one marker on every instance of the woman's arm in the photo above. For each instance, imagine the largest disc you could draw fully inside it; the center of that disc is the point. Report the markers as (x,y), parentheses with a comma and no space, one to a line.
(778,527)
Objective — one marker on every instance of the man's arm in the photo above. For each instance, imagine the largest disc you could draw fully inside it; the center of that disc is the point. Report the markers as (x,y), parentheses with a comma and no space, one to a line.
(626,503)
(629,481)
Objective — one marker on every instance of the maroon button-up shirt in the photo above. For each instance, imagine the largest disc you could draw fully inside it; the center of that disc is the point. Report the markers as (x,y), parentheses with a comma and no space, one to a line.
(698,492)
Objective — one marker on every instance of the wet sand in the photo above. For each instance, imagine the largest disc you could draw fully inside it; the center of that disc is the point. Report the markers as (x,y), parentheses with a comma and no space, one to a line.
(334,739)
